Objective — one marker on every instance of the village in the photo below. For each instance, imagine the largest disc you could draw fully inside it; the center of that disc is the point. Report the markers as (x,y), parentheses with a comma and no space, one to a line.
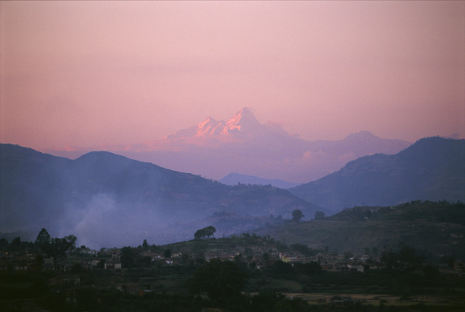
(250,250)
(76,272)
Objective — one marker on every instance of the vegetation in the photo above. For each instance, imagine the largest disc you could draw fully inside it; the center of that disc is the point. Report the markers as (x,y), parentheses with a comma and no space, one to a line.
(436,228)
(297,215)
(205,232)
(240,273)
(319,215)
(223,281)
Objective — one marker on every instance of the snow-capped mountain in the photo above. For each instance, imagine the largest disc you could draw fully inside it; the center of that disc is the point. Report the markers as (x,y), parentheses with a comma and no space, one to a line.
(243,125)
(214,148)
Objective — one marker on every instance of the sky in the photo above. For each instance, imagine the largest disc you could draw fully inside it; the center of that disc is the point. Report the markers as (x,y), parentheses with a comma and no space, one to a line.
(105,73)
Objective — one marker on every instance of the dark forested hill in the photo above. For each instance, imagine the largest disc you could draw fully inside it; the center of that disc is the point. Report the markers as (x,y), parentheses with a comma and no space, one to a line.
(108,199)
(430,169)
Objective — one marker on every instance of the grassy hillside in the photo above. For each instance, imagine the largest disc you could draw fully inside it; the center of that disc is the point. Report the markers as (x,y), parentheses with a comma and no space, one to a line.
(435,227)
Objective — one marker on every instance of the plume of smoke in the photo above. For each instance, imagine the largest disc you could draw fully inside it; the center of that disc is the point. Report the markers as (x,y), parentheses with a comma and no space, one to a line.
(92,229)
(105,221)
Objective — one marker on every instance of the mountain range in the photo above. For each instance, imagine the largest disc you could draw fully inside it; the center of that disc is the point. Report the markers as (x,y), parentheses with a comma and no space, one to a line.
(110,200)
(107,199)
(215,148)
(430,169)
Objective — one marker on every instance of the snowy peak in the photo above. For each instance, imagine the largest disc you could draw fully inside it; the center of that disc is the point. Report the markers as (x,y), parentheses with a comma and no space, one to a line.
(207,122)
(241,126)
(209,127)
(243,120)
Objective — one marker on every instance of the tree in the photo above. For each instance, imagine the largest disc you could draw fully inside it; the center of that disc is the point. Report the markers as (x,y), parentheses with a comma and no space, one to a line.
(308,268)
(210,231)
(145,244)
(59,246)
(280,268)
(128,257)
(38,262)
(297,215)
(205,232)
(43,238)
(199,234)
(16,243)
(167,253)
(3,244)
(319,215)
(221,280)
(407,258)
(70,240)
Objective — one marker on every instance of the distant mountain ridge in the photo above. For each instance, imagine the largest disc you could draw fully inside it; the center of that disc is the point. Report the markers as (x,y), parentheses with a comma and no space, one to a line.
(237,178)
(108,199)
(215,148)
(430,169)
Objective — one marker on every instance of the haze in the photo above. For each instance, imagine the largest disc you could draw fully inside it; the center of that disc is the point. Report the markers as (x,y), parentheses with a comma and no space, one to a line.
(103,73)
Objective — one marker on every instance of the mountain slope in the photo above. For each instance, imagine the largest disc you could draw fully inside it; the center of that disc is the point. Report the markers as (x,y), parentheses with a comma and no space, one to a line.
(25,177)
(436,227)
(430,169)
(236,178)
(110,200)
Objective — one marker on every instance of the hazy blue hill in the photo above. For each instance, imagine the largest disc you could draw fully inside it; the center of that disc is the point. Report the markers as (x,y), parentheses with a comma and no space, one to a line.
(109,199)
(430,169)
(32,187)
(236,178)
(436,227)
(133,181)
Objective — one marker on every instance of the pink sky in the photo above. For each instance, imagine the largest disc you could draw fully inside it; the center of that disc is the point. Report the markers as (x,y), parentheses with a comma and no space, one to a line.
(96,74)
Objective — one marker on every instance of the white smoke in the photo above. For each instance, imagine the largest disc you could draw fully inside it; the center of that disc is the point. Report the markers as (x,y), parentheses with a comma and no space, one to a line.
(92,228)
